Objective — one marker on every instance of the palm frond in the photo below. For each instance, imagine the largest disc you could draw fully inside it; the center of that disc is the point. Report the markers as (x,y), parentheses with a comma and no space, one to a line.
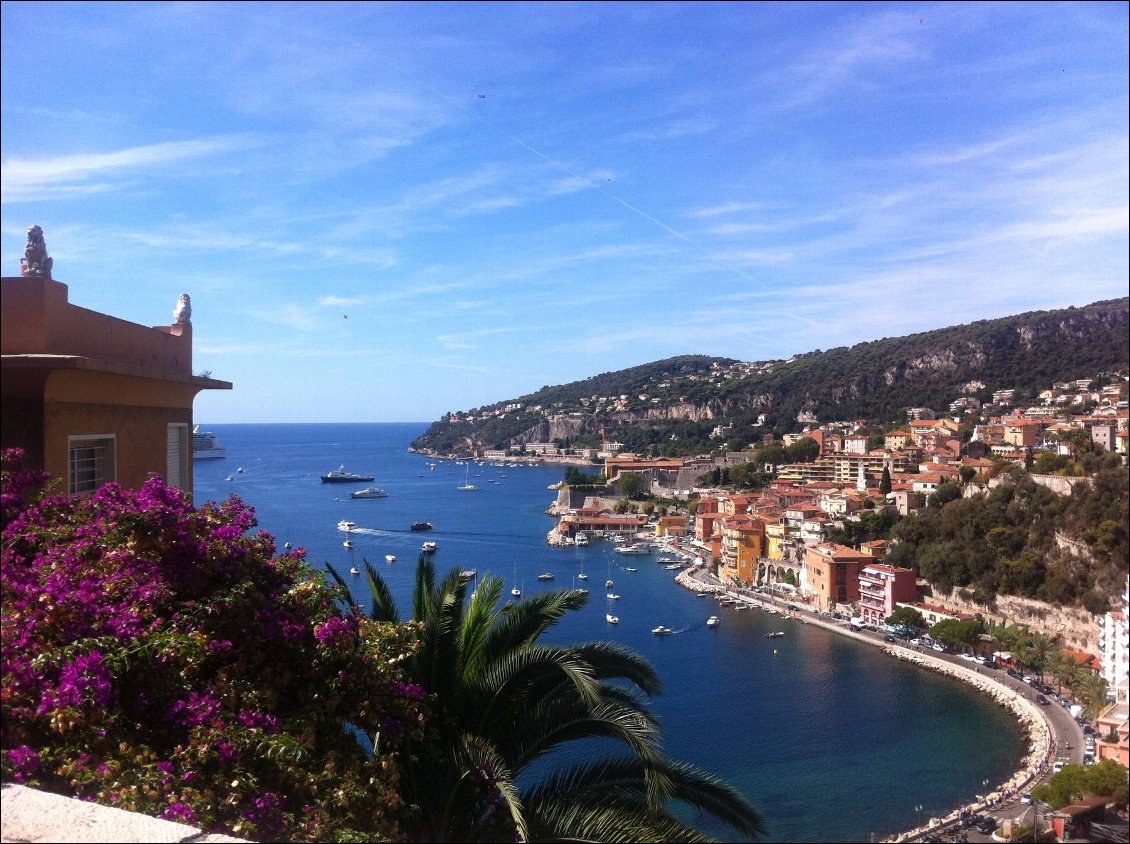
(382,606)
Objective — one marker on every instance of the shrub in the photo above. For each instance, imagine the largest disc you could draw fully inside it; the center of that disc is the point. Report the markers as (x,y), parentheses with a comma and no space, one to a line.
(162,659)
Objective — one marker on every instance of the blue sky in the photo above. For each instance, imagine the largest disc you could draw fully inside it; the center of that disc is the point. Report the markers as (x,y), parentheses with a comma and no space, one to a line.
(383,212)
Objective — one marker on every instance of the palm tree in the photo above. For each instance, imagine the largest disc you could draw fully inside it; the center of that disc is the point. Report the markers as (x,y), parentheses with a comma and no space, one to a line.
(1038,651)
(505,706)
(1090,690)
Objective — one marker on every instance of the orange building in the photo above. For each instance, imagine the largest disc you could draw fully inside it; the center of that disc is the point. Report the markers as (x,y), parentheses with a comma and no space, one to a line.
(92,398)
(743,542)
(832,573)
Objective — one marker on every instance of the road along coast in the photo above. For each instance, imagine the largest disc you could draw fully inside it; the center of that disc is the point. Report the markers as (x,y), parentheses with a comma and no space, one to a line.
(1030,717)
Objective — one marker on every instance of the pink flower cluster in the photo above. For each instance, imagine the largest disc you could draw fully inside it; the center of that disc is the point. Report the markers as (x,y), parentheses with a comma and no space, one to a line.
(155,653)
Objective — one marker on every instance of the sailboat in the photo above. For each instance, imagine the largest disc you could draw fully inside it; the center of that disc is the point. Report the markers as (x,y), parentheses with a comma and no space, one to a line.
(609,617)
(582,575)
(516,592)
(467,486)
(583,589)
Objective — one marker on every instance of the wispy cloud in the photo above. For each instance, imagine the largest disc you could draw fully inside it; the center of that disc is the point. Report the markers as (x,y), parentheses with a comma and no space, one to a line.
(28,180)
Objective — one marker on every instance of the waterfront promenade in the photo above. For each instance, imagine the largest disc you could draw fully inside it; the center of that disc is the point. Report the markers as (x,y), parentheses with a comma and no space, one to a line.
(1050,730)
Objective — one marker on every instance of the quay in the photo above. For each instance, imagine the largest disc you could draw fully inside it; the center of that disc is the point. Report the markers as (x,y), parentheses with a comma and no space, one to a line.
(1044,734)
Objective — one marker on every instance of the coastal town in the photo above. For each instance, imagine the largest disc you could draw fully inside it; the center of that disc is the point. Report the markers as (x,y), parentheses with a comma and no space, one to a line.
(774,542)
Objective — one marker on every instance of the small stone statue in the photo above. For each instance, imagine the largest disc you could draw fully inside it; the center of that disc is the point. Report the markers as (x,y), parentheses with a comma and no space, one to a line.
(36,260)
(182,313)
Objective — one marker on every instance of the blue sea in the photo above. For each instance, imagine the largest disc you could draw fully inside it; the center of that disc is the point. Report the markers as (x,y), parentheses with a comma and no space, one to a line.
(831,739)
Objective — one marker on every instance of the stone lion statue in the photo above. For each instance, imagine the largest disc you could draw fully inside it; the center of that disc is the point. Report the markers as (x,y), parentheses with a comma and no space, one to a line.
(182,313)
(36,259)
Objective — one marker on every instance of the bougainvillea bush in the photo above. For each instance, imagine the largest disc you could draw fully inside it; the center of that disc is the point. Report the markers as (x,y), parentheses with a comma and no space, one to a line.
(163,659)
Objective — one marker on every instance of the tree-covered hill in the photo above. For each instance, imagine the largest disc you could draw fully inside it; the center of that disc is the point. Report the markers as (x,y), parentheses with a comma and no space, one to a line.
(671,406)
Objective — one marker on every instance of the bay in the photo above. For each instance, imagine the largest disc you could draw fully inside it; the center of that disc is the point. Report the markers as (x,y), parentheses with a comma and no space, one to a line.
(830,738)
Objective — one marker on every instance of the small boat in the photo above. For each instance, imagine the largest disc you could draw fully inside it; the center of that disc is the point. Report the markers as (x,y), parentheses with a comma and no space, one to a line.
(629,568)
(516,592)
(582,576)
(545,575)
(346,525)
(390,558)
(612,596)
(348,543)
(608,584)
(673,566)
(468,573)
(428,548)
(421,526)
(611,619)
(340,476)
(712,621)
(581,540)
(355,570)
(230,478)
(741,606)
(369,492)
(775,635)
(661,630)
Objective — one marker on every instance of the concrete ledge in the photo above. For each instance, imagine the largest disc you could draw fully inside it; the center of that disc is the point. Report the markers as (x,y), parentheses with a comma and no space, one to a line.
(30,815)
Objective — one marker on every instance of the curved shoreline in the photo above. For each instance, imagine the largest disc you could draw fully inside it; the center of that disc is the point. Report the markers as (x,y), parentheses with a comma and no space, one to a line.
(1032,720)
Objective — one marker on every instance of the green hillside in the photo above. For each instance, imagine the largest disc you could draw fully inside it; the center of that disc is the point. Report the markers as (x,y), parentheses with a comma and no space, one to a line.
(671,406)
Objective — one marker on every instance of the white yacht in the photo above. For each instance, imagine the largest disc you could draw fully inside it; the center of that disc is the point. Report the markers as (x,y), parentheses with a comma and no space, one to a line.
(346,525)
(712,621)
(369,492)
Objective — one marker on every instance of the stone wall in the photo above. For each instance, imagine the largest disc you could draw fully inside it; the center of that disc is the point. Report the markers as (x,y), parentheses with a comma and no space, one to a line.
(1072,627)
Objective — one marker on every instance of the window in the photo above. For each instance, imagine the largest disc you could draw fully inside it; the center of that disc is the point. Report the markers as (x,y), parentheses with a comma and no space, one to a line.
(92,462)
(177,455)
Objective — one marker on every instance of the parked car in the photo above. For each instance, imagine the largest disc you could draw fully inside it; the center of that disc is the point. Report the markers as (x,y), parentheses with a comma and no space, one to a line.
(889,639)
(1043,701)
(986,825)
(1026,798)
(1058,765)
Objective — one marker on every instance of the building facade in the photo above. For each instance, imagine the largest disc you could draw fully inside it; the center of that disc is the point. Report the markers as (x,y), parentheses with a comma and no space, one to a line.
(91,398)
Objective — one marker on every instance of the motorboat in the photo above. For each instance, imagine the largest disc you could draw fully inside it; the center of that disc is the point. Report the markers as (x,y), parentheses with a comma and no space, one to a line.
(612,596)
(673,566)
(340,476)
(390,558)
(516,592)
(355,570)
(346,525)
(611,619)
(468,573)
(629,568)
(608,584)
(713,621)
(205,447)
(369,492)
(421,526)
(428,548)
(545,575)
(581,539)
(634,548)
(775,635)
(661,630)
(348,543)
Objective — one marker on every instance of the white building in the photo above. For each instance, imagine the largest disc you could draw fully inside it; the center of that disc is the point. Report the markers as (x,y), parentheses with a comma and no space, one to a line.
(1113,636)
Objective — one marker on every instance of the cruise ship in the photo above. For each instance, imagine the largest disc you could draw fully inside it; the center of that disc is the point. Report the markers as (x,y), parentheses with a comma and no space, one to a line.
(204,445)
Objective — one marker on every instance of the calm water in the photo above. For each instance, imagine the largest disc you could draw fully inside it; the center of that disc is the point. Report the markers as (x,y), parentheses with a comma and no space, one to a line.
(831,739)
